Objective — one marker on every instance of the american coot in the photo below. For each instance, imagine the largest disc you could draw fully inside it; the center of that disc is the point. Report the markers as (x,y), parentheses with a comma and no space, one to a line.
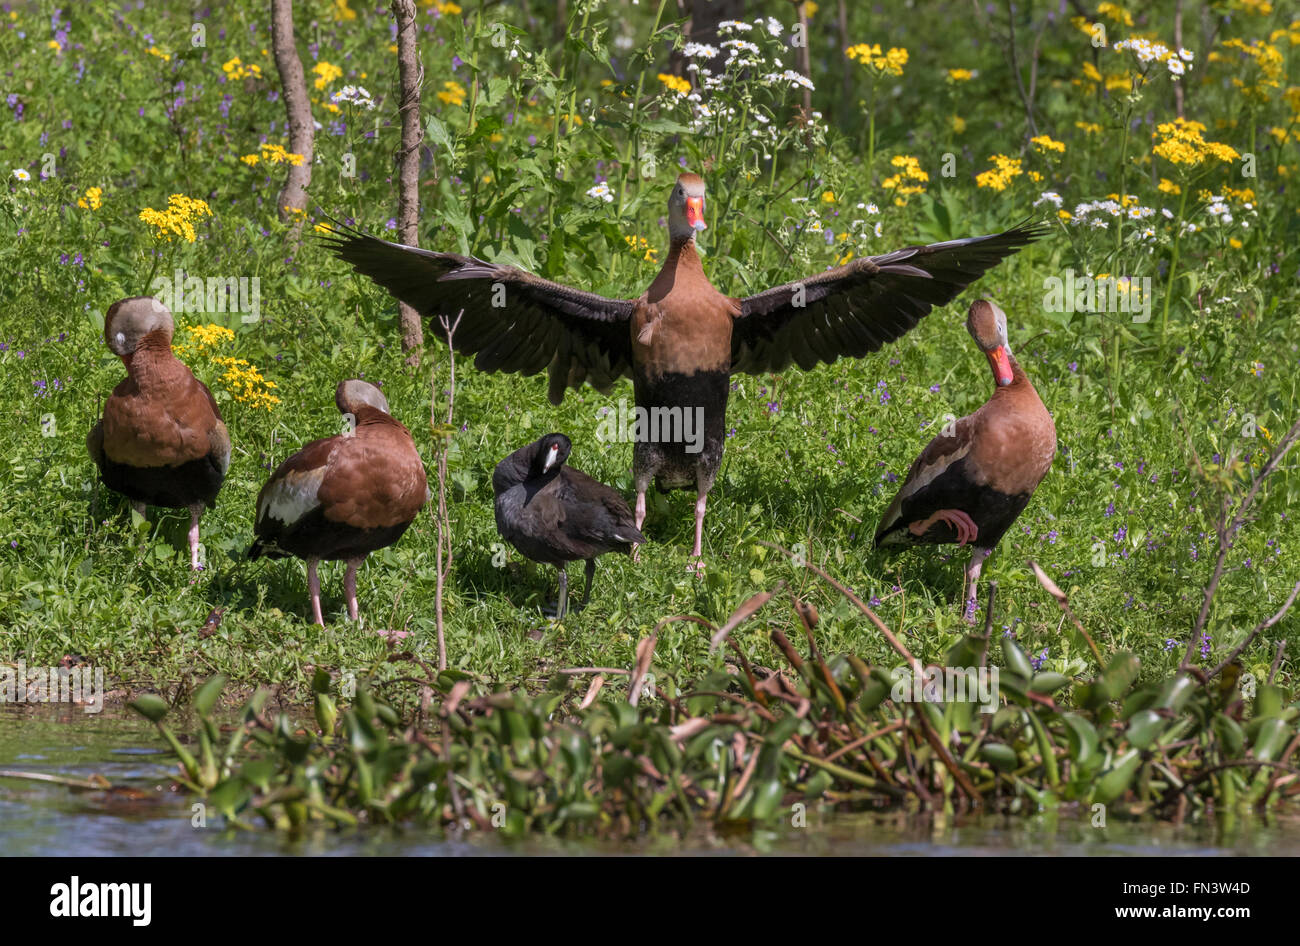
(555,514)
(682,339)
(162,441)
(343,497)
(972,481)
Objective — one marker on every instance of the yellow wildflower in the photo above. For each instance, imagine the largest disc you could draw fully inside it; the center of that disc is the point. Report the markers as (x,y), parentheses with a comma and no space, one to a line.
(155,51)
(325,73)
(675,83)
(246,384)
(453,93)
(177,219)
(999,176)
(1045,143)
(1182,143)
(342,11)
(93,199)
(960,75)
(958,124)
(1167,186)
(641,247)
(1088,128)
(890,63)
(1115,12)
(235,69)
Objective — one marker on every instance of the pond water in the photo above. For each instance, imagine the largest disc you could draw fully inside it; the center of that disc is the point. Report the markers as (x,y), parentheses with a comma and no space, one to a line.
(144,817)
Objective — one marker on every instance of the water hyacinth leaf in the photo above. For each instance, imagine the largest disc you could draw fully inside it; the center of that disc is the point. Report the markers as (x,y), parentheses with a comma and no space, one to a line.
(1268,701)
(1048,681)
(1118,779)
(1144,727)
(207,694)
(150,706)
(1228,731)
(1001,757)
(1081,738)
(1015,659)
(1273,737)
(964,653)
(1120,674)
(1140,699)
(320,681)
(766,799)
(1176,692)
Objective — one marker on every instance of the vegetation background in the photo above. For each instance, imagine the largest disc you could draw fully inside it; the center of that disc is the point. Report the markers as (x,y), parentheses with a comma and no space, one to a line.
(552,133)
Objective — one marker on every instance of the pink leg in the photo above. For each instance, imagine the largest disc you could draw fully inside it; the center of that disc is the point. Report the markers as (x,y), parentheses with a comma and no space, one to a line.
(313,589)
(967,531)
(640,518)
(697,563)
(350,586)
(196,510)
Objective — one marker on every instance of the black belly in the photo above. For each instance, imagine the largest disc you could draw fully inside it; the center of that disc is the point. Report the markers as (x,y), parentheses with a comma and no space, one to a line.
(674,405)
(314,536)
(992,511)
(196,481)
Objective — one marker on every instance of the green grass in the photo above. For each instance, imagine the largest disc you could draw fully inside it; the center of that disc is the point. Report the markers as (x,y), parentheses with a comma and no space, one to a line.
(77,577)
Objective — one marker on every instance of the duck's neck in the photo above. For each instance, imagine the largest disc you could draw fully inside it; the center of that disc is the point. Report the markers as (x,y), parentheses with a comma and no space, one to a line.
(152,363)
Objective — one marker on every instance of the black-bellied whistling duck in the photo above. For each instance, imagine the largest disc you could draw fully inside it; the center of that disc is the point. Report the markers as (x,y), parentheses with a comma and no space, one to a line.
(161,441)
(555,514)
(972,482)
(343,497)
(682,339)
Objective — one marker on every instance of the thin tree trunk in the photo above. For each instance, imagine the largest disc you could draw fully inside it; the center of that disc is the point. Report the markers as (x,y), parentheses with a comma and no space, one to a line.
(410,73)
(302,130)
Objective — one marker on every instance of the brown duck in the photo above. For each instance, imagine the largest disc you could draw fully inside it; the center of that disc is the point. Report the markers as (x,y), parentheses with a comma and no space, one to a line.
(972,481)
(161,441)
(681,340)
(343,497)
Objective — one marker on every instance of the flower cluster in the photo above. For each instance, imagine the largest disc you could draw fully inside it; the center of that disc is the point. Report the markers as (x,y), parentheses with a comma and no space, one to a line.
(641,247)
(675,83)
(453,93)
(909,179)
(177,219)
(1000,175)
(236,69)
(93,199)
(1149,52)
(1045,143)
(273,154)
(325,74)
(246,384)
(354,95)
(1181,142)
(203,337)
(889,63)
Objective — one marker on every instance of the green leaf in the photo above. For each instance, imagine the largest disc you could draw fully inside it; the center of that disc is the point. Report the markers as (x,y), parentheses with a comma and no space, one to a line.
(1117,780)
(151,706)
(207,694)
(1015,658)
(1144,727)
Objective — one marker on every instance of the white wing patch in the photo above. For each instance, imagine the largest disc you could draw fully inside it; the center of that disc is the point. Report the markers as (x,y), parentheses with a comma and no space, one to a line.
(924,477)
(293,496)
